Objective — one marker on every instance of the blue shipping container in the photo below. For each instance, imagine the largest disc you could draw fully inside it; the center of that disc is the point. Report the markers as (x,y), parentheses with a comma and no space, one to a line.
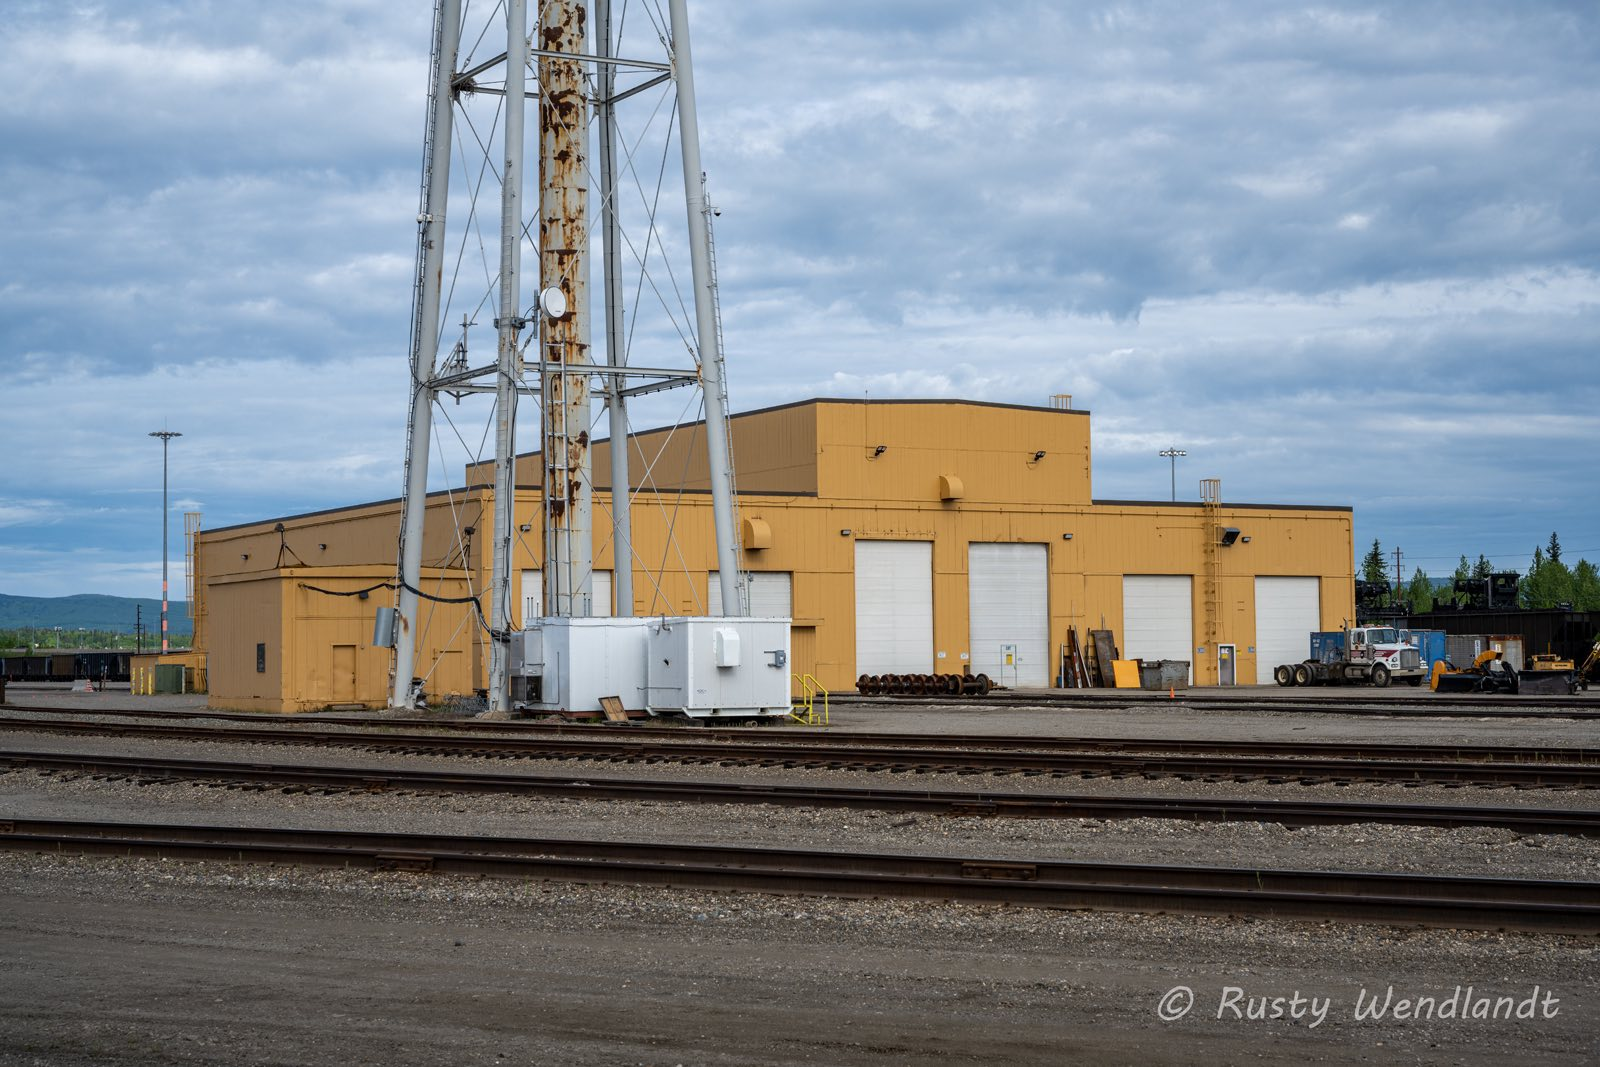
(1430,645)
(1327,646)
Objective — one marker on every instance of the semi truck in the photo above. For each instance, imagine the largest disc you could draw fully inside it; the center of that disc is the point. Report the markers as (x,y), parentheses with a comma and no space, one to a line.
(1356,655)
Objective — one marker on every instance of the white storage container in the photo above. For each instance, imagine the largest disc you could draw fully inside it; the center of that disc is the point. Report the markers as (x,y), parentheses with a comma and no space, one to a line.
(718,666)
(578,661)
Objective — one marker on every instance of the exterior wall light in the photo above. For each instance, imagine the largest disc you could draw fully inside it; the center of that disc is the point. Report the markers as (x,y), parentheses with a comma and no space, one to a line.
(1037,456)
(844,533)
(1245,539)
(880,450)
(1066,537)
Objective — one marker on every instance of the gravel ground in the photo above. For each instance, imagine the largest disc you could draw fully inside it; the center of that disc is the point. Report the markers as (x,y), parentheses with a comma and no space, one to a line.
(1393,792)
(142,962)
(145,962)
(34,794)
(1187,717)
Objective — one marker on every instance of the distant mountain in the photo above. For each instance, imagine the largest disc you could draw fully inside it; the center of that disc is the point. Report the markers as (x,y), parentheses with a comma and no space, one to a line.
(90,611)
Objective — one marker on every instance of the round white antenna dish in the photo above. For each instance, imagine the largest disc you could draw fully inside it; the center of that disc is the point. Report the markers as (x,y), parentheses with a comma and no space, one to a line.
(553,302)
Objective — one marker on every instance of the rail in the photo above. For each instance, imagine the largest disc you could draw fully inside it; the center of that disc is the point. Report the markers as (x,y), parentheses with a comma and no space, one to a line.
(1573,822)
(1273,762)
(1430,900)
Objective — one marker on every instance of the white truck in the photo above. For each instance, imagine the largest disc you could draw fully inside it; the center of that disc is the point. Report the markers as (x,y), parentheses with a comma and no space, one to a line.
(1357,655)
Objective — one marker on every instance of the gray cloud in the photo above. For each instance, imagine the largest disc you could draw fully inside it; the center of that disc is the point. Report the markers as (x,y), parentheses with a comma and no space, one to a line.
(1278,237)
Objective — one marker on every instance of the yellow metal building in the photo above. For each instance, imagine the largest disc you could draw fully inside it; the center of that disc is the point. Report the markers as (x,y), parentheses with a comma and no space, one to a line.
(902,537)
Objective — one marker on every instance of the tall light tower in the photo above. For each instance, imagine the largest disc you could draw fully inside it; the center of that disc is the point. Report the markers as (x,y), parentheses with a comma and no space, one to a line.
(1173,454)
(166,438)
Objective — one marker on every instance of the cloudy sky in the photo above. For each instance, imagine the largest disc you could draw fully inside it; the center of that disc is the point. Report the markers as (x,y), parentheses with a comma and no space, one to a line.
(1342,254)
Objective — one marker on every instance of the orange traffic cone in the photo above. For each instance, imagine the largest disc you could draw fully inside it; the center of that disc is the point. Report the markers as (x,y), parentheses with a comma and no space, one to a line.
(1172,692)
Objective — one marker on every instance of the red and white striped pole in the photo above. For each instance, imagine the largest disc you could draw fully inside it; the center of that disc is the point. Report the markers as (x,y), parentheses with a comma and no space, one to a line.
(166,436)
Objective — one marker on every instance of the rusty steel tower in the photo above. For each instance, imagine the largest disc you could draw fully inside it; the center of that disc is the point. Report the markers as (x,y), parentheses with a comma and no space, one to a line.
(569,64)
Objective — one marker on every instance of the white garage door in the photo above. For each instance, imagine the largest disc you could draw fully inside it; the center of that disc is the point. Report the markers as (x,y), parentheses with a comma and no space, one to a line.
(1158,617)
(894,607)
(1008,604)
(533,594)
(771,594)
(1287,610)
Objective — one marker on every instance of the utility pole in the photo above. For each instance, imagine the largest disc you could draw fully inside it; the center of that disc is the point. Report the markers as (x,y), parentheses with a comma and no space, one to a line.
(1398,584)
(138,628)
(166,439)
(713,382)
(1173,454)
(425,344)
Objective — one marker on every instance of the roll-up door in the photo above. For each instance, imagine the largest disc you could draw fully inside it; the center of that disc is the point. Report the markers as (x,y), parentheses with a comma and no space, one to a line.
(1007,598)
(1158,617)
(1287,611)
(771,594)
(894,607)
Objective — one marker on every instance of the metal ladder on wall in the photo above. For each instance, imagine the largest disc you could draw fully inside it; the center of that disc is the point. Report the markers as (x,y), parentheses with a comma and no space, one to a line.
(1211,504)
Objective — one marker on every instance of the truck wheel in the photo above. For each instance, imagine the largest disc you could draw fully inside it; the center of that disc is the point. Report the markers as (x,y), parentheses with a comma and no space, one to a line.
(1380,675)
(1302,674)
(1283,675)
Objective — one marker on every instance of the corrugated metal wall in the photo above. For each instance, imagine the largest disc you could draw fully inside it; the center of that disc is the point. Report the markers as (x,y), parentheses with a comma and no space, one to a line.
(1010,497)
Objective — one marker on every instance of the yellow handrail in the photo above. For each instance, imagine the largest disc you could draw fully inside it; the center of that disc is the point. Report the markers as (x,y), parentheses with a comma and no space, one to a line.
(806,711)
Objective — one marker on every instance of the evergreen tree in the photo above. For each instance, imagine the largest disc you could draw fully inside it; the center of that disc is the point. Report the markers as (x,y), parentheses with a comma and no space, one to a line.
(1373,567)
(1483,568)
(1419,593)
(1554,548)
(1548,584)
(1463,574)
(1585,587)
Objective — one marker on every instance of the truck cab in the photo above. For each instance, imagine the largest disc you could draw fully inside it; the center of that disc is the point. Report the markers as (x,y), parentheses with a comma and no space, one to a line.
(1384,645)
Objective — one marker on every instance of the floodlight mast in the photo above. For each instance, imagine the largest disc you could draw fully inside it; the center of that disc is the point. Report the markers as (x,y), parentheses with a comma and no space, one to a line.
(611,258)
(713,382)
(424,342)
(564,333)
(508,325)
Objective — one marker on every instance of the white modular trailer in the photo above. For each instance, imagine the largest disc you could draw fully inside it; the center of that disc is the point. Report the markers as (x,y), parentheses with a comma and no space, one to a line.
(568,664)
(723,667)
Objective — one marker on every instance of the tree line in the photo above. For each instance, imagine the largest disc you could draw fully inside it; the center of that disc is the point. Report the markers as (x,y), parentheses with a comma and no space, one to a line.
(1547,583)
(31,640)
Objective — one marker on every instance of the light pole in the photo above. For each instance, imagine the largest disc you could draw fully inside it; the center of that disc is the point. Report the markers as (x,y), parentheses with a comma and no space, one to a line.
(1173,454)
(166,438)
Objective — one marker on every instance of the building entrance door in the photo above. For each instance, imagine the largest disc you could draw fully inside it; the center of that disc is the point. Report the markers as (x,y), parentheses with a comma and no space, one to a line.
(344,674)
(1225,670)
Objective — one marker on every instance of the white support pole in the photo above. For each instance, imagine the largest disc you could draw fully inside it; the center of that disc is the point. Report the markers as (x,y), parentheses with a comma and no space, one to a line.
(611,243)
(711,370)
(508,324)
(424,344)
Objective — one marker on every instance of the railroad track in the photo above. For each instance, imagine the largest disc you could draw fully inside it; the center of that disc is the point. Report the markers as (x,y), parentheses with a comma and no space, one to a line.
(1421,706)
(1430,706)
(1282,762)
(1434,900)
(812,738)
(304,778)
